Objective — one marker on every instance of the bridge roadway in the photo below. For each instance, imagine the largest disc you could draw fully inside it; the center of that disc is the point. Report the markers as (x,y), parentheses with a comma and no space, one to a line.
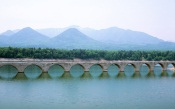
(45,64)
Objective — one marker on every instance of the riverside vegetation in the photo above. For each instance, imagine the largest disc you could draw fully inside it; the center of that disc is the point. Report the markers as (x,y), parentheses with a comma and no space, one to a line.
(47,53)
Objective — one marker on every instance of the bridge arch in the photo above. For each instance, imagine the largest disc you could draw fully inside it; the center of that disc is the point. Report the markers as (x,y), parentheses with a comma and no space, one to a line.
(54,65)
(144,70)
(10,65)
(172,64)
(79,65)
(96,70)
(102,67)
(41,68)
(113,69)
(77,70)
(8,71)
(56,70)
(159,68)
(135,67)
(161,64)
(33,71)
(148,65)
(130,69)
(116,65)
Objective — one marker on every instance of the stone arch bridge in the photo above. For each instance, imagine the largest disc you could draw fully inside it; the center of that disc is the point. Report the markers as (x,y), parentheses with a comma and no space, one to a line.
(45,64)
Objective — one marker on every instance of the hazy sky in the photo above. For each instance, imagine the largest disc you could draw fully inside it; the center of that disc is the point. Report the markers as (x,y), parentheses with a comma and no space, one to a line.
(155,17)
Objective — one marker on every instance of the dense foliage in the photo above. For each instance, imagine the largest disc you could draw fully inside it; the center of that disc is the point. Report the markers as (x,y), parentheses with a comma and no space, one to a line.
(47,53)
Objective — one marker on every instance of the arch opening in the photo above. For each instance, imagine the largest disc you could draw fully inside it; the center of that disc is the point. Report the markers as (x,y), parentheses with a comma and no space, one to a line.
(170,69)
(56,71)
(158,69)
(144,70)
(32,71)
(129,70)
(8,71)
(77,70)
(113,70)
(96,70)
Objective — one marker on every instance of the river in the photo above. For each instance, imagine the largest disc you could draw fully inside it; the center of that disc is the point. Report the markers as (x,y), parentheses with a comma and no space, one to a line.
(95,91)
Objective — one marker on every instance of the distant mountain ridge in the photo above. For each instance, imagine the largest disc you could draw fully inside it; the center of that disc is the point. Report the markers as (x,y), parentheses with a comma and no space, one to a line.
(73,38)
(110,35)
(84,38)
(8,33)
(117,35)
(24,38)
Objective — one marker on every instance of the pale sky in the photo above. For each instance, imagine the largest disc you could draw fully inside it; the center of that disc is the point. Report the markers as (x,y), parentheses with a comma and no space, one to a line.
(155,17)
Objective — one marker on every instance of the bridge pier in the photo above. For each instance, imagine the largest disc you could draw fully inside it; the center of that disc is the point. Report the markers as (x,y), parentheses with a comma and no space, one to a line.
(151,69)
(137,67)
(122,67)
(87,66)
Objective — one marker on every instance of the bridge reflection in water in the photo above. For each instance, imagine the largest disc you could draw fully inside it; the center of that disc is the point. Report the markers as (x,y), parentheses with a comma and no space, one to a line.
(35,68)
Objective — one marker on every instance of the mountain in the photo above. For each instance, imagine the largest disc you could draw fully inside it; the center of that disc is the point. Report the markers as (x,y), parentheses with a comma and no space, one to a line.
(84,38)
(74,39)
(3,40)
(8,33)
(121,36)
(111,35)
(52,32)
(25,37)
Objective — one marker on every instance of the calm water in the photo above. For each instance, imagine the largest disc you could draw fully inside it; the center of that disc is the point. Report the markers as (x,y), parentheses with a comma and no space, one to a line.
(91,90)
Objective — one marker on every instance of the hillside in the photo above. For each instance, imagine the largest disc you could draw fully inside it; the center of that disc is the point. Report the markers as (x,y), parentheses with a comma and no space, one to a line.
(24,38)
(74,39)
(121,36)
(84,38)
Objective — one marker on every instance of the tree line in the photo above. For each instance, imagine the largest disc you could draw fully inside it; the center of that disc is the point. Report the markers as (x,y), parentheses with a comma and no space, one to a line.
(48,53)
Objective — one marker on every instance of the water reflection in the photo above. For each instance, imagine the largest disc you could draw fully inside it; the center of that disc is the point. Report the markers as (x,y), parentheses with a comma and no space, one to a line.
(96,70)
(88,94)
(144,70)
(8,72)
(32,72)
(129,70)
(56,71)
(86,75)
(170,70)
(121,75)
(76,71)
(20,76)
(113,70)
(158,70)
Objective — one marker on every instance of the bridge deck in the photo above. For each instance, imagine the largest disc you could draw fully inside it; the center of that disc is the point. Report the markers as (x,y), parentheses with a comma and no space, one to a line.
(45,64)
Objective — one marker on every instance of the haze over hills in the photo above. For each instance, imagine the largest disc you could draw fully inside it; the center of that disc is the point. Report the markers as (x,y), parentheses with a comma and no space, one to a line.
(8,33)
(73,38)
(24,38)
(108,35)
(52,32)
(121,36)
(83,38)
